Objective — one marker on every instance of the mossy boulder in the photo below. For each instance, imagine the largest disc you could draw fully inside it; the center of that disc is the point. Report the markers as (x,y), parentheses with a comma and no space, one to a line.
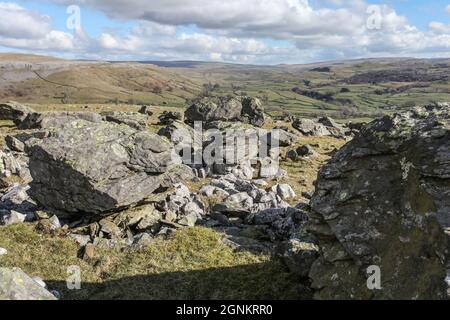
(244,109)
(87,167)
(385,200)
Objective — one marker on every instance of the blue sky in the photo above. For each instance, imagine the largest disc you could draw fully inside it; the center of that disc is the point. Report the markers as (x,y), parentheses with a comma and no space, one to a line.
(251,31)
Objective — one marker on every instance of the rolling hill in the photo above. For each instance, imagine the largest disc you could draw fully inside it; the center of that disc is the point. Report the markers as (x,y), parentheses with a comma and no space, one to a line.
(343,89)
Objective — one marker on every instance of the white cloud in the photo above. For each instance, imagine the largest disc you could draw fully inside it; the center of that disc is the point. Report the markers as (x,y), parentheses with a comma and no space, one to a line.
(275,18)
(22,28)
(447,9)
(17,22)
(256,31)
(439,27)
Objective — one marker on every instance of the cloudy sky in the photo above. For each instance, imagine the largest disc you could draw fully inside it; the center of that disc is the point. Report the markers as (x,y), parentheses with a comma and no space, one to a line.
(240,31)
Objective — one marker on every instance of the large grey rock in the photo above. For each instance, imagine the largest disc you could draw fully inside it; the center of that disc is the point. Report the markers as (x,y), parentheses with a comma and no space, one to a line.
(284,191)
(238,204)
(87,167)
(168,117)
(310,127)
(16,285)
(252,111)
(336,129)
(384,200)
(282,138)
(135,120)
(56,119)
(14,111)
(244,109)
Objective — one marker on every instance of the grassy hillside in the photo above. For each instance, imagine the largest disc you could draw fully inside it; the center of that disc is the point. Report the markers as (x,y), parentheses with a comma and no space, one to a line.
(348,89)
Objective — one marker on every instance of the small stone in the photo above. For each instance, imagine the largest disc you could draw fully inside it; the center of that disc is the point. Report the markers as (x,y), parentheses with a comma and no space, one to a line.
(89,252)
(40,282)
(308,194)
(39,214)
(260,182)
(193,208)
(284,191)
(292,155)
(220,218)
(108,227)
(3,251)
(150,220)
(82,239)
(146,110)
(182,191)
(170,216)
(55,222)
(165,232)
(142,240)
(56,293)
(14,144)
(13,217)
(306,151)
(188,220)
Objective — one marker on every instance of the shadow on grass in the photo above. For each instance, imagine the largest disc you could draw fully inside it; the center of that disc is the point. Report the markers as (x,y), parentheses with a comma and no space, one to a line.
(255,281)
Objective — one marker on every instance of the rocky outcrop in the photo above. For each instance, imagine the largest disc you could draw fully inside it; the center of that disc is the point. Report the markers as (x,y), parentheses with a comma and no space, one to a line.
(87,167)
(14,111)
(16,285)
(324,126)
(384,201)
(13,169)
(243,109)
(56,119)
(147,110)
(168,117)
(135,120)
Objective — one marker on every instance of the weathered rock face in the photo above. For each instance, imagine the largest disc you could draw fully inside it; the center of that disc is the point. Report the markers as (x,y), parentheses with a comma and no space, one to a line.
(384,200)
(324,126)
(49,120)
(87,167)
(16,285)
(14,111)
(252,111)
(310,127)
(244,109)
(169,116)
(135,120)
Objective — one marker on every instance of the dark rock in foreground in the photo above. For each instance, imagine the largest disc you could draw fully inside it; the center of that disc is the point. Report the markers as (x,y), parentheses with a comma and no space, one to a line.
(384,200)
(14,111)
(87,167)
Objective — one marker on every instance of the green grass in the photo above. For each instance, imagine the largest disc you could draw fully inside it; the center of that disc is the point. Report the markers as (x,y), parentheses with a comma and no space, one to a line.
(194,264)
